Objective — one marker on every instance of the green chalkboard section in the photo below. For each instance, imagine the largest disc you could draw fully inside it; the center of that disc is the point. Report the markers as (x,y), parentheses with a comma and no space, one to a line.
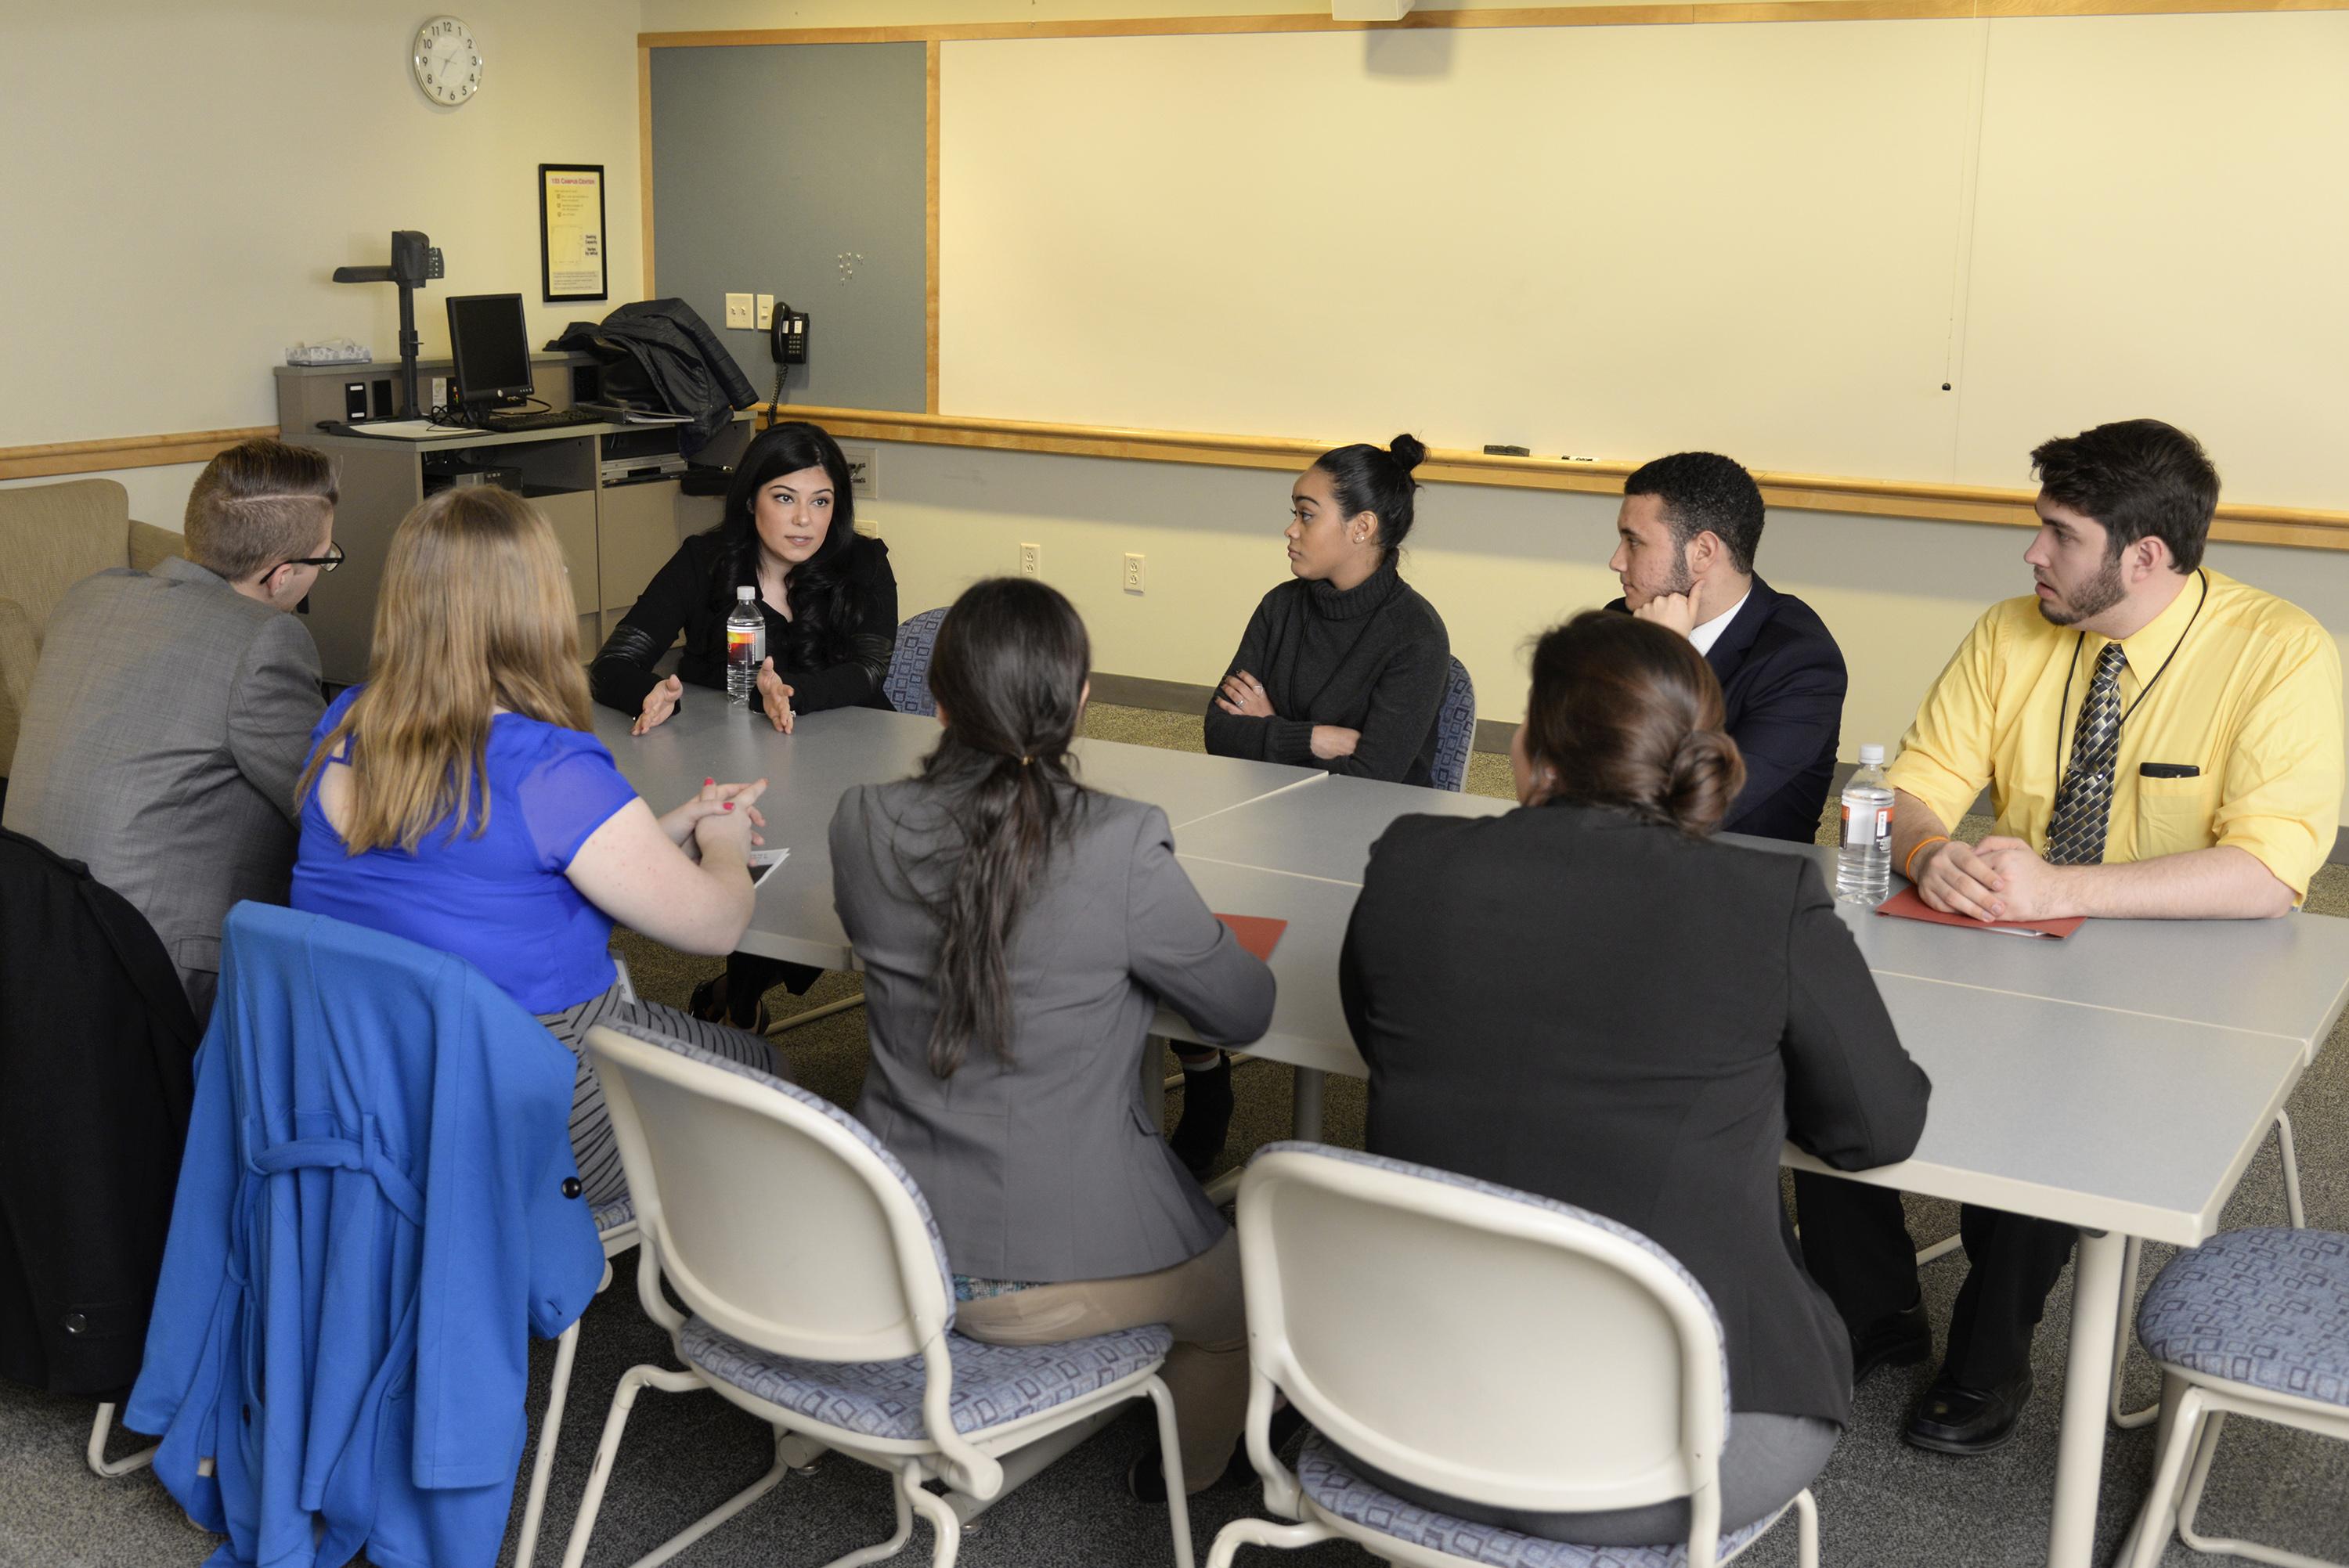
(770,164)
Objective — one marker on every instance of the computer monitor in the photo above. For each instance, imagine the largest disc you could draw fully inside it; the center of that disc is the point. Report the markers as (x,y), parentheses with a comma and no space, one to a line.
(490,344)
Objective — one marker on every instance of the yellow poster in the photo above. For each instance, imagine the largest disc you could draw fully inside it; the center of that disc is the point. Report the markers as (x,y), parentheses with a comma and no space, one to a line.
(571,230)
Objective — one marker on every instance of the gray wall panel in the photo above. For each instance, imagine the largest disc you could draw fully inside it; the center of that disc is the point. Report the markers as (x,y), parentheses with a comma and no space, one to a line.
(768,161)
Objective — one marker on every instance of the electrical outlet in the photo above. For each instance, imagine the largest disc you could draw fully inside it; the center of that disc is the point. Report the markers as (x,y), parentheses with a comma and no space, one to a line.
(738,310)
(864,471)
(766,313)
(1031,560)
(1133,572)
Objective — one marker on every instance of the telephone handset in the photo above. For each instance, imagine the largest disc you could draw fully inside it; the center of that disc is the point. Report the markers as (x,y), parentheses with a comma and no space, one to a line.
(789,341)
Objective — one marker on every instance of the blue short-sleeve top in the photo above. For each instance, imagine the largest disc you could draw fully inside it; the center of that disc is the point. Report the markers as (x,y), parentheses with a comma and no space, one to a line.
(499,900)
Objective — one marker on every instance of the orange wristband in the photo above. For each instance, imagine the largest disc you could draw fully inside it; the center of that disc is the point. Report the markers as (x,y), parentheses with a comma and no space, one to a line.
(1909,865)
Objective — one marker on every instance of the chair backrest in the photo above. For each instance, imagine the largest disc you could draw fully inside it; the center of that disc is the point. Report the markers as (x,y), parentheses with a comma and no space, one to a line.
(907,683)
(1480,1341)
(53,536)
(776,1216)
(1456,730)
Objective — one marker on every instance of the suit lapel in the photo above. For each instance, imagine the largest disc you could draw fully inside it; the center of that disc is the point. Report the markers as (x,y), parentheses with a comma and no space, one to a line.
(1729,650)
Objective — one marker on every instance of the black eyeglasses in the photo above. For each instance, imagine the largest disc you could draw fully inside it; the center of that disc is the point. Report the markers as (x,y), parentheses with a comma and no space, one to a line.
(327,562)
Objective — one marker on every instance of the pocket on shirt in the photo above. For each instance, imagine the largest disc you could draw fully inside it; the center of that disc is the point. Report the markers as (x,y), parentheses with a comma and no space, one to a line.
(2175,815)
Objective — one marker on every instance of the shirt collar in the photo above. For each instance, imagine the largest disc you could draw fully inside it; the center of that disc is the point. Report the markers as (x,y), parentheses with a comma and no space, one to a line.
(2150,644)
(181,569)
(1705,635)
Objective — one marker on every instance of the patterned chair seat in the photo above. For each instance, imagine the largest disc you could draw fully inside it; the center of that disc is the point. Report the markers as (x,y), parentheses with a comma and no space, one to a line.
(1325,1478)
(993,1384)
(2268,1308)
(610,1216)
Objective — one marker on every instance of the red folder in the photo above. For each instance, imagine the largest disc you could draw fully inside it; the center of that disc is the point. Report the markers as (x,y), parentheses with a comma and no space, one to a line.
(1906,906)
(1258,933)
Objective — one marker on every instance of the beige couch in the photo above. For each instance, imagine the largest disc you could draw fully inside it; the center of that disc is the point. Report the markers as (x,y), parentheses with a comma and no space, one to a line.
(51,537)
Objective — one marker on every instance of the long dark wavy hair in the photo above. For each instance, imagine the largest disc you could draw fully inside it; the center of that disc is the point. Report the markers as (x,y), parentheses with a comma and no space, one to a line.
(1008,674)
(825,601)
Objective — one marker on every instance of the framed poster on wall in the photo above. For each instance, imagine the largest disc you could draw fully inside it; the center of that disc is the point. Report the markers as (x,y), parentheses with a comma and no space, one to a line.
(571,249)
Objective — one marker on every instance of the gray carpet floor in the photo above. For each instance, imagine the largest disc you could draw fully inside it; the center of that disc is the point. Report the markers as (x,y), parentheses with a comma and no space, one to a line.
(1880,1502)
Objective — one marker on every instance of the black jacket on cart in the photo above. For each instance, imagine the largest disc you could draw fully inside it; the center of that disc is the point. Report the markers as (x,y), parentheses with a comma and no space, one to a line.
(660,353)
(96,1070)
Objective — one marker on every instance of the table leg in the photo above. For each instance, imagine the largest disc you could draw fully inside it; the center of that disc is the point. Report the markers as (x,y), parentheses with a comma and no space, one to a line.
(2088,1387)
(1305,1107)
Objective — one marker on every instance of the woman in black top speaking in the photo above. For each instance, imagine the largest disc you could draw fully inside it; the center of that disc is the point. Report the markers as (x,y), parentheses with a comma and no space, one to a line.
(1343,667)
(830,605)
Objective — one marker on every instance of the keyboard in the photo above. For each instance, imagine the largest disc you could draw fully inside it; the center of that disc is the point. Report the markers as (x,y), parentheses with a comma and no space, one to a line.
(546,419)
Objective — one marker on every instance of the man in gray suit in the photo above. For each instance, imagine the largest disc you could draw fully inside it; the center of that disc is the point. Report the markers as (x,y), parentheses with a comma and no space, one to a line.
(171,711)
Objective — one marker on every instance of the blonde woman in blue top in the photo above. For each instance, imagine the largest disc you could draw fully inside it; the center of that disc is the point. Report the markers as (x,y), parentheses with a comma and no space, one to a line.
(459,800)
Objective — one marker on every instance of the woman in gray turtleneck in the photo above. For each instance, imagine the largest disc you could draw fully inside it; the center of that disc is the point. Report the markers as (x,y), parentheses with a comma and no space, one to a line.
(1342,668)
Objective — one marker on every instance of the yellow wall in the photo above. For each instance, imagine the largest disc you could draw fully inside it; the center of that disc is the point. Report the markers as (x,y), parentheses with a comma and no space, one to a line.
(183,178)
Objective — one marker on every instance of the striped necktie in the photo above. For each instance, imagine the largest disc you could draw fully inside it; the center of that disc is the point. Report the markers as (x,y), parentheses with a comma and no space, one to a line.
(2076,832)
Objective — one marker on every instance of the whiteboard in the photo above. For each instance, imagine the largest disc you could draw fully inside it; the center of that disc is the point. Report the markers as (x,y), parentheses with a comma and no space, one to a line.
(1777,241)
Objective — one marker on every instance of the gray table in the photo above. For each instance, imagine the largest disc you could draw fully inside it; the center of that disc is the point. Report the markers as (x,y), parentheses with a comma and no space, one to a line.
(2288,977)
(809,769)
(1325,832)
(2045,1056)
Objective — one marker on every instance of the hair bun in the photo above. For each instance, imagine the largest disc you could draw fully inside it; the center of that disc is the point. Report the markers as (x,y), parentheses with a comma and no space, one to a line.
(1407,450)
(1706,774)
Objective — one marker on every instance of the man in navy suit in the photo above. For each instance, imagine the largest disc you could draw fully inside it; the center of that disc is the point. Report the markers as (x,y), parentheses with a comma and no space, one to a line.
(1687,534)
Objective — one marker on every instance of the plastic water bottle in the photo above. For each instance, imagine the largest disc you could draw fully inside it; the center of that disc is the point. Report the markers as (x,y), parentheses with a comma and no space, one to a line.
(746,646)
(1864,865)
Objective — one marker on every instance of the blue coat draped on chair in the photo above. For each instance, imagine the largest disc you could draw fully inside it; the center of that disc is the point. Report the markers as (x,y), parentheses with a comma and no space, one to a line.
(377,1207)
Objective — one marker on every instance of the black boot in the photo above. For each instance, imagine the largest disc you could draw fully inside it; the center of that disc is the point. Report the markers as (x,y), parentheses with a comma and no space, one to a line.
(1198,1137)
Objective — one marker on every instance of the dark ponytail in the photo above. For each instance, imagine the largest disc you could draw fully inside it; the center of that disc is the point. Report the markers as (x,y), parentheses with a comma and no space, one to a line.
(1628,714)
(1008,674)
(1378,480)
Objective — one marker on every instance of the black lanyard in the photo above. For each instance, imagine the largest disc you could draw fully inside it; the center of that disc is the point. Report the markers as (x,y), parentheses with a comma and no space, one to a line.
(2142,692)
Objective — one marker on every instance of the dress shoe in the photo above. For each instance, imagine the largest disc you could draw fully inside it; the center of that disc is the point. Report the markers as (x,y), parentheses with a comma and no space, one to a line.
(1145,1479)
(1950,1419)
(1903,1339)
(1198,1136)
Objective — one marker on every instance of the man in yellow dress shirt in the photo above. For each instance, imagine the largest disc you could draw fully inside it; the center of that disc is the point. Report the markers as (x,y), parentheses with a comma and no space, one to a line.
(2160,741)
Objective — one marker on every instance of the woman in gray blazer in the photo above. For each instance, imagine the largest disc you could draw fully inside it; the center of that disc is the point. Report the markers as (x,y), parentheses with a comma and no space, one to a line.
(1018,933)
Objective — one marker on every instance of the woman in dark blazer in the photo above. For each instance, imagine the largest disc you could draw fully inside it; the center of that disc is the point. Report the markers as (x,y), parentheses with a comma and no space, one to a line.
(1018,933)
(1589,999)
(830,605)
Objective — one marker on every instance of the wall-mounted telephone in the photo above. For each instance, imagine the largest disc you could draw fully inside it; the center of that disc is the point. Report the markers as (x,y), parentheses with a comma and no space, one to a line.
(788,343)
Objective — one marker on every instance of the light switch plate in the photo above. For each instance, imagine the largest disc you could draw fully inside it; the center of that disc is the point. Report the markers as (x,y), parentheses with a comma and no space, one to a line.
(738,310)
(766,313)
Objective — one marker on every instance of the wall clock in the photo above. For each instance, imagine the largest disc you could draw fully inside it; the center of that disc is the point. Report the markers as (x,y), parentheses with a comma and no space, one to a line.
(447,62)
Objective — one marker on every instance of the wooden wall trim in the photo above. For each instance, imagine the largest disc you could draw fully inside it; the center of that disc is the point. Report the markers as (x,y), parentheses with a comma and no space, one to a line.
(1679,14)
(2237,521)
(63,457)
(645,160)
(930,232)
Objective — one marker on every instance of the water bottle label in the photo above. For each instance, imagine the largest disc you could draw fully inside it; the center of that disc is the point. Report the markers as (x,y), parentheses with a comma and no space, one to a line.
(741,645)
(1878,834)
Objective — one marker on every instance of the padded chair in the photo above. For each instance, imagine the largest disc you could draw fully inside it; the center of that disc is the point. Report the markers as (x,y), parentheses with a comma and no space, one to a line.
(2295,1214)
(2250,1323)
(1456,730)
(907,683)
(828,1317)
(1484,1343)
(51,537)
